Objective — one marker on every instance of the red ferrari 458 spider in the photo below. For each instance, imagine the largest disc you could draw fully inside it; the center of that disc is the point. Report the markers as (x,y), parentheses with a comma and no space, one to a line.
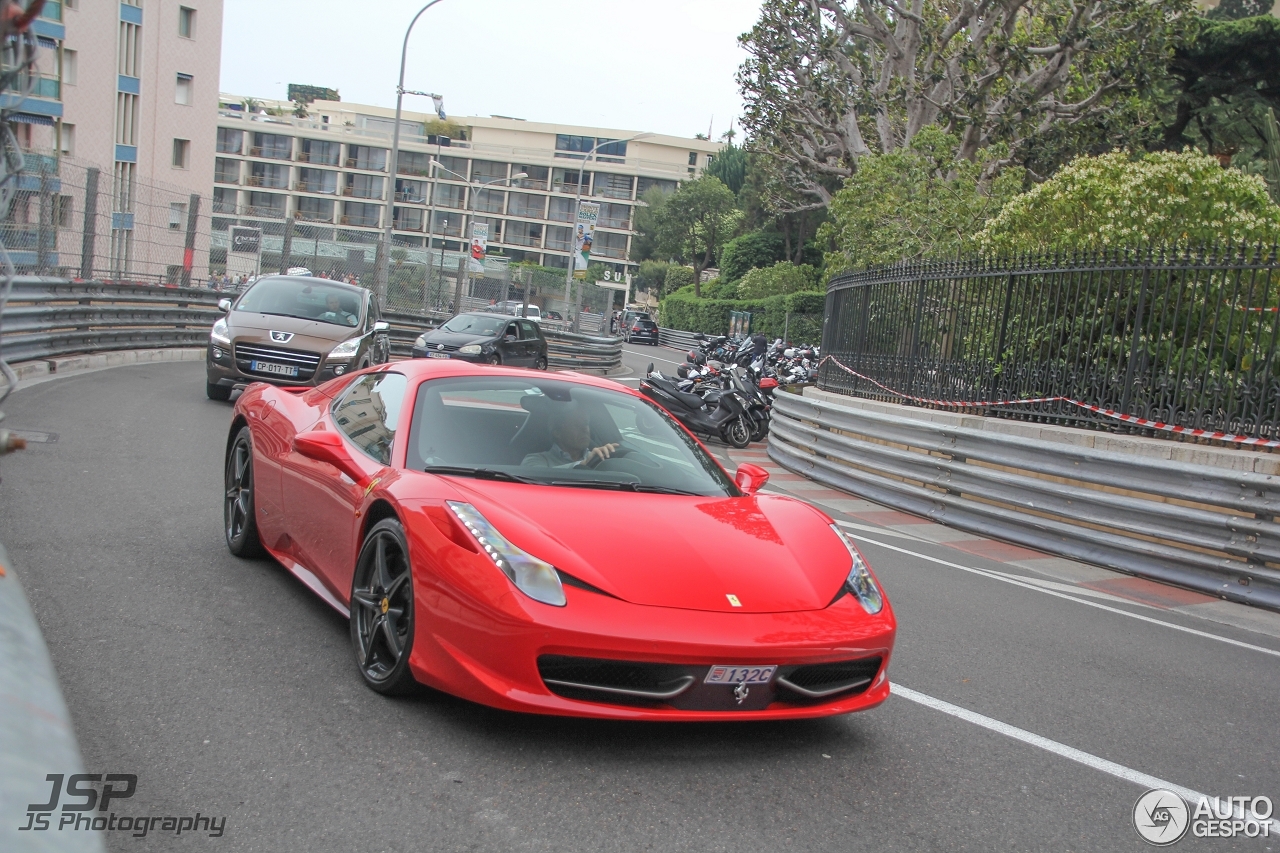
(468,518)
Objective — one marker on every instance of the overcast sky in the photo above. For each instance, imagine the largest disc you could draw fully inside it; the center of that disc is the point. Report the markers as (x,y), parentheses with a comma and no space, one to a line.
(664,66)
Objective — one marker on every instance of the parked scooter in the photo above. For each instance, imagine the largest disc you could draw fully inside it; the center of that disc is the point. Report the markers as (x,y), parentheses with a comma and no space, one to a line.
(725,418)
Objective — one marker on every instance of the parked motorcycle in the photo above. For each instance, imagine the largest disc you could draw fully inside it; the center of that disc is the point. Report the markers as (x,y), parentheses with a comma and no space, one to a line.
(725,418)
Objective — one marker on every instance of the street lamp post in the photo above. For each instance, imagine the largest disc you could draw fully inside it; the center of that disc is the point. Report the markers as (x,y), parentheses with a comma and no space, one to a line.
(577,205)
(475,187)
(384,270)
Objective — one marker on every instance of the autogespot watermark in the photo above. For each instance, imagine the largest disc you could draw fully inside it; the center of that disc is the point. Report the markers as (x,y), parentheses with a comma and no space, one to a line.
(1163,818)
(86,809)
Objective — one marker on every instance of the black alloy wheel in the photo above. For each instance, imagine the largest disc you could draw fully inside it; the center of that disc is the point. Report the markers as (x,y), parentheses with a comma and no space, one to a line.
(496,358)
(540,363)
(737,433)
(239,522)
(382,610)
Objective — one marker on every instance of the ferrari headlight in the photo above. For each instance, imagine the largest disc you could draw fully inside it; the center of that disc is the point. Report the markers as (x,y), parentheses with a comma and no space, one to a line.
(860,583)
(470,349)
(346,349)
(535,578)
(220,334)
(420,341)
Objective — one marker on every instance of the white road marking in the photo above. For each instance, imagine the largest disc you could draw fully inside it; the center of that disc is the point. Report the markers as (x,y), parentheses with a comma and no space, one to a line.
(1026,585)
(1102,765)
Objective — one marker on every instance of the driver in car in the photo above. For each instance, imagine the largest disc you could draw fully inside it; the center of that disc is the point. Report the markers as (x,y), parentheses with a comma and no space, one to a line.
(334,313)
(571,437)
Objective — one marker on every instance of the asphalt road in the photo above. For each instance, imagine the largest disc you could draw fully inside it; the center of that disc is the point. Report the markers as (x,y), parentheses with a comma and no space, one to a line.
(230,690)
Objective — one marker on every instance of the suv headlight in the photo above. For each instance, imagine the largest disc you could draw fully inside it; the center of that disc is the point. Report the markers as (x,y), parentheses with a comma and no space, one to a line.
(420,341)
(346,349)
(536,578)
(470,349)
(220,334)
(860,582)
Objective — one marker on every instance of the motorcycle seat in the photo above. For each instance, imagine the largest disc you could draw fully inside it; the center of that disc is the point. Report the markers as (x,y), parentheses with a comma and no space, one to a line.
(691,400)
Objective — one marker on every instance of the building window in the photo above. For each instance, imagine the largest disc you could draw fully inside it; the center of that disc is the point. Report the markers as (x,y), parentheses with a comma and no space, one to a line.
(613,186)
(365,157)
(177,215)
(230,141)
(413,163)
(269,175)
(489,201)
(63,208)
(562,210)
(646,184)
(455,165)
(70,65)
(183,91)
(318,181)
(67,140)
(226,170)
(320,153)
(558,237)
(363,186)
(451,196)
(181,153)
(315,209)
(186,22)
(268,205)
(526,204)
(224,200)
(360,214)
(486,170)
(693,158)
(537,179)
(272,145)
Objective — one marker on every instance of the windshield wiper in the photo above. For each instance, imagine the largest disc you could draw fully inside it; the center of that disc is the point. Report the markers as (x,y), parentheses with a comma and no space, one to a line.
(624,487)
(282,314)
(478,473)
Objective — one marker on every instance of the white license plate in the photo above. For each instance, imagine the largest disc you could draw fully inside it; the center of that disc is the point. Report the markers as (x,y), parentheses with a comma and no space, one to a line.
(437,355)
(278,369)
(740,674)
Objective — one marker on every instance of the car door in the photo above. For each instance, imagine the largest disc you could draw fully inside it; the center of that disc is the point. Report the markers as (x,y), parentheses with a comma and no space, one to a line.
(532,342)
(321,501)
(510,347)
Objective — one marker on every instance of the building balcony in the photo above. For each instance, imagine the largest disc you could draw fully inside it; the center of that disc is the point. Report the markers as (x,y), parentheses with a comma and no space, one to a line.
(359,221)
(269,153)
(224,207)
(410,198)
(226,179)
(357,192)
(266,183)
(530,184)
(265,212)
(612,192)
(616,224)
(558,245)
(568,189)
(522,240)
(598,251)
(414,172)
(308,157)
(526,212)
(312,187)
(355,163)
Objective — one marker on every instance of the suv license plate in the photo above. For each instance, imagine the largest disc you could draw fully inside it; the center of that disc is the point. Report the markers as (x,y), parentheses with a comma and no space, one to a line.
(277,369)
(740,675)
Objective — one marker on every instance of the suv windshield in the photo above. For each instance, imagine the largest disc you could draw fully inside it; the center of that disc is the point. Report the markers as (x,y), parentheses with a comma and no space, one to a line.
(544,432)
(474,324)
(307,300)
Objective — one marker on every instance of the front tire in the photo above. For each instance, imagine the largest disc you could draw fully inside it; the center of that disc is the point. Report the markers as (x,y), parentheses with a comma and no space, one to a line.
(540,363)
(737,433)
(240,523)
(382,614)
(214,391)
(495,359)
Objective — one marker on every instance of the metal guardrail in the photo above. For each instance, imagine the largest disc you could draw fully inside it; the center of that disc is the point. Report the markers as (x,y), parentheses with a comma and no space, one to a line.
(49,317)
(1205,528)
(677,338)
(36,737)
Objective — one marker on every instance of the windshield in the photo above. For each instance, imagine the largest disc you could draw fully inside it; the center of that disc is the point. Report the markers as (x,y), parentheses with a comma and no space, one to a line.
(306,300)
(474,324)
(550,432)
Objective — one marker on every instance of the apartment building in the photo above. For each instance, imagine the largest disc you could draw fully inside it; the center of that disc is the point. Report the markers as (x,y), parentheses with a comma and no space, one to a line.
(127,100)
(328,176)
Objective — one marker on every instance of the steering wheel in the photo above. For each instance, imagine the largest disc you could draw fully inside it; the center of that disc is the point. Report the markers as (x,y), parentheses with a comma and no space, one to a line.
(631,462)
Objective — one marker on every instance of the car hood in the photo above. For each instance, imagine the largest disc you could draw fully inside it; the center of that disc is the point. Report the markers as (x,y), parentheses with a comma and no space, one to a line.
(246,323)
(773,554)
(455,339)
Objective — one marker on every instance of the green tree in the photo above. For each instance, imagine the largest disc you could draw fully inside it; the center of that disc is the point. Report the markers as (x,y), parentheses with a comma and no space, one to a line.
(781,278)
(1163,199)
(730,166)
(1234,10)
(830,82)
(647,215)
(695,223)
(749,251)
(652,276)
(917,203)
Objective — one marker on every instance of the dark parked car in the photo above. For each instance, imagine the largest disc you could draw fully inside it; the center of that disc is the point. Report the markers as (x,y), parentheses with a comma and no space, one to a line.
(641,330)
(484,337)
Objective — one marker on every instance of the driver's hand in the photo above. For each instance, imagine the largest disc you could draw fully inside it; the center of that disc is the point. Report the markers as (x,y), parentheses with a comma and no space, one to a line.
(599,454)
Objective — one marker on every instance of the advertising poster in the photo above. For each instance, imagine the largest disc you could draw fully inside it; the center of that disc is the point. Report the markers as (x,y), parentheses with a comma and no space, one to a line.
(583,235)
(479,246)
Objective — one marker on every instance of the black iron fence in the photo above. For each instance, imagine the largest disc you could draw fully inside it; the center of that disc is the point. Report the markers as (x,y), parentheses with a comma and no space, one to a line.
(1189,338)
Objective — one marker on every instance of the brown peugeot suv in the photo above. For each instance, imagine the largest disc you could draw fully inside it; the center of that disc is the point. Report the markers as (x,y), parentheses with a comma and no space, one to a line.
(292,330)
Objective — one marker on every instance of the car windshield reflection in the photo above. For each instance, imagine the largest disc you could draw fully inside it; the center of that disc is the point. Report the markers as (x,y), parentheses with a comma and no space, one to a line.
(556,433)
(474,324)
(304,299)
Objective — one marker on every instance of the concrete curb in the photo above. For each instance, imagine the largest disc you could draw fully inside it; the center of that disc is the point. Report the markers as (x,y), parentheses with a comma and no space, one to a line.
(97,361)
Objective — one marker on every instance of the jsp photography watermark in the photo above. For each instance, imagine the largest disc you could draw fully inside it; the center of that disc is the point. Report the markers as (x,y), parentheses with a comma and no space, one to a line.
(87,802)
(1162,817)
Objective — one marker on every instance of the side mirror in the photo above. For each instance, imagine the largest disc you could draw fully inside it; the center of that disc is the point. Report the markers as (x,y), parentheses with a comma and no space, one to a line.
(324,446)
(649,370)
(699,337)
(382,326)
(224,305)
(750,478)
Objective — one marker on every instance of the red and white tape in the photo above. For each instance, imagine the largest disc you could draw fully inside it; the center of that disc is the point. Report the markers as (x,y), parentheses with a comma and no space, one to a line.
(1109,413)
